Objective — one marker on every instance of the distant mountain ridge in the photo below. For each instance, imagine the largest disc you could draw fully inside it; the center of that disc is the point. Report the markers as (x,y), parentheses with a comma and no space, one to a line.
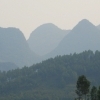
(84,36)
(14,48)
(48,41)
(45,38)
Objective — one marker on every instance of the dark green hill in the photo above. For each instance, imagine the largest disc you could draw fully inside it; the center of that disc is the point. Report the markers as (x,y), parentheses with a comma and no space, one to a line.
(53,79)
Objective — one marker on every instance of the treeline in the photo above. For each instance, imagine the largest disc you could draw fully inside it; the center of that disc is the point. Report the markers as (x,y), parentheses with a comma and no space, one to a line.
(53,79)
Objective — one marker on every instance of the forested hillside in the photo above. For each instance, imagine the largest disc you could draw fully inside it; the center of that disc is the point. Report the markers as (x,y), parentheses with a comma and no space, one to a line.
(53,79)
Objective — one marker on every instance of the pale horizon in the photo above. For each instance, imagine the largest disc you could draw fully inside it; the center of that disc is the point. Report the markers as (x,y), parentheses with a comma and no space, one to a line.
(27,15)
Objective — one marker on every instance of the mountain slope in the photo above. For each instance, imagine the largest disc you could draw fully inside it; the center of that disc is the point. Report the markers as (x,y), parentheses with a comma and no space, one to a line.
(14,48)
(6,66)
(98,26)
(45,38)
(84,36)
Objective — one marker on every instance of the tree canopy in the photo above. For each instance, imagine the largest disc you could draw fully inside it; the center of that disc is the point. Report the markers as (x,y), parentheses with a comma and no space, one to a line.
(54,78)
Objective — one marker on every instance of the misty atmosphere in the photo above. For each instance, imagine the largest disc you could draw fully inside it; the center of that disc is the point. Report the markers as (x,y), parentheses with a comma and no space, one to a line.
(49,50)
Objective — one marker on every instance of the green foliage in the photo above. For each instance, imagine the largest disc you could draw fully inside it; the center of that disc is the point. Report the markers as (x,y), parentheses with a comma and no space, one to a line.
(93,93)
(83,86)
(98,93)
(50,79)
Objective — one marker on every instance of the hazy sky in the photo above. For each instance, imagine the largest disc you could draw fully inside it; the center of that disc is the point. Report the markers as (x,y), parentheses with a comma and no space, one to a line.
(29,14)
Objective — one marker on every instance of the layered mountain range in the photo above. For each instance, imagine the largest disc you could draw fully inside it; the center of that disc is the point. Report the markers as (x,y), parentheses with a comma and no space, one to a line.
(84,36)
(54,78)
(47,41)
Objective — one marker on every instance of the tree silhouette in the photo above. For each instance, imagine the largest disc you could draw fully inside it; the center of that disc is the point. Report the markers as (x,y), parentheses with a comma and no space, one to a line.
(82,86)
(98,93)
(93,93)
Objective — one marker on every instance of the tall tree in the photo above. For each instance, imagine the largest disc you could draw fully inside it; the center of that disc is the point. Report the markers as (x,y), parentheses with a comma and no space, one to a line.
(82,86)
(93,93)
(98,93)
